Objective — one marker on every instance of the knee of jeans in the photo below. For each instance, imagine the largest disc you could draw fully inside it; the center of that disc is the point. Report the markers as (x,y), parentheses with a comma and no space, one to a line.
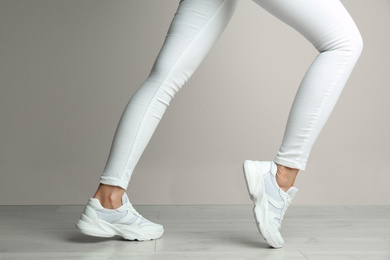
(352,45)
(349,41)
(356,45)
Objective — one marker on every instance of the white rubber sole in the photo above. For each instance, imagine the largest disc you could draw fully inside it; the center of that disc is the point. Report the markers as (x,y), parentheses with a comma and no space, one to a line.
(101,228)
(255,185)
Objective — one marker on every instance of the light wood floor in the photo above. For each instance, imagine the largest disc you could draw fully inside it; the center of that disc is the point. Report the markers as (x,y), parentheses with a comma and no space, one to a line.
(201,232)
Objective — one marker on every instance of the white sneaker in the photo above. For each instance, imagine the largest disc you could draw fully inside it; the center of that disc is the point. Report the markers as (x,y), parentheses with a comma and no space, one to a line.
(124,221)
(270,202)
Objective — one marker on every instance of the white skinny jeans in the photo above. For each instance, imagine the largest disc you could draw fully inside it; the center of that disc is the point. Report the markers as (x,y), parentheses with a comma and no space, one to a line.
(196,26)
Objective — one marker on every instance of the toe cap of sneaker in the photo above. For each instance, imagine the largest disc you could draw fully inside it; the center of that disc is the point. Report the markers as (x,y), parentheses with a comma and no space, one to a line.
(275,239)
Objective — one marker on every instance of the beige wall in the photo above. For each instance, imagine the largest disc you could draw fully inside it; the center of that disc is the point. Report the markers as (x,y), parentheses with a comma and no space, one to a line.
(68,68)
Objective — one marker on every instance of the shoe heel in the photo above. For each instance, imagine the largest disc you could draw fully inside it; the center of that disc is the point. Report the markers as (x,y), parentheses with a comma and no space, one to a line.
(249,177)
(92,228)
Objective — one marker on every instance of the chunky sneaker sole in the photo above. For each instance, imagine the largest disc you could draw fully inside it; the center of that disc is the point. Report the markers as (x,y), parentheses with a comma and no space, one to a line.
(125,221)
(267,221)
(101,228)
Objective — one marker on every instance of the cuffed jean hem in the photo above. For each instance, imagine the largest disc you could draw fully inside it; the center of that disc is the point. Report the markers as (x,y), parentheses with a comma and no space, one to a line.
(294,165)
(113,182)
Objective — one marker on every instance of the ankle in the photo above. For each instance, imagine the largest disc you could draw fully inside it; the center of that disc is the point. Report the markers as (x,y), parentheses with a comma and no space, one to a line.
(109,196)
(285,177)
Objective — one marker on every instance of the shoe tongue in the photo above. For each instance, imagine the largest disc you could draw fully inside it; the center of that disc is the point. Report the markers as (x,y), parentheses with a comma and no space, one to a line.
(125,199)
(292,192)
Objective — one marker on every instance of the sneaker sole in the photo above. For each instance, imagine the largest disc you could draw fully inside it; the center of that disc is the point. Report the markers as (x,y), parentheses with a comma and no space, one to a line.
(250,169)
(101,228)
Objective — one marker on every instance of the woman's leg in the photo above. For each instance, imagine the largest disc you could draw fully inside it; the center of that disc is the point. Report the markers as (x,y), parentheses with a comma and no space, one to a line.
(196,26)
(329,27)
(194,29)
